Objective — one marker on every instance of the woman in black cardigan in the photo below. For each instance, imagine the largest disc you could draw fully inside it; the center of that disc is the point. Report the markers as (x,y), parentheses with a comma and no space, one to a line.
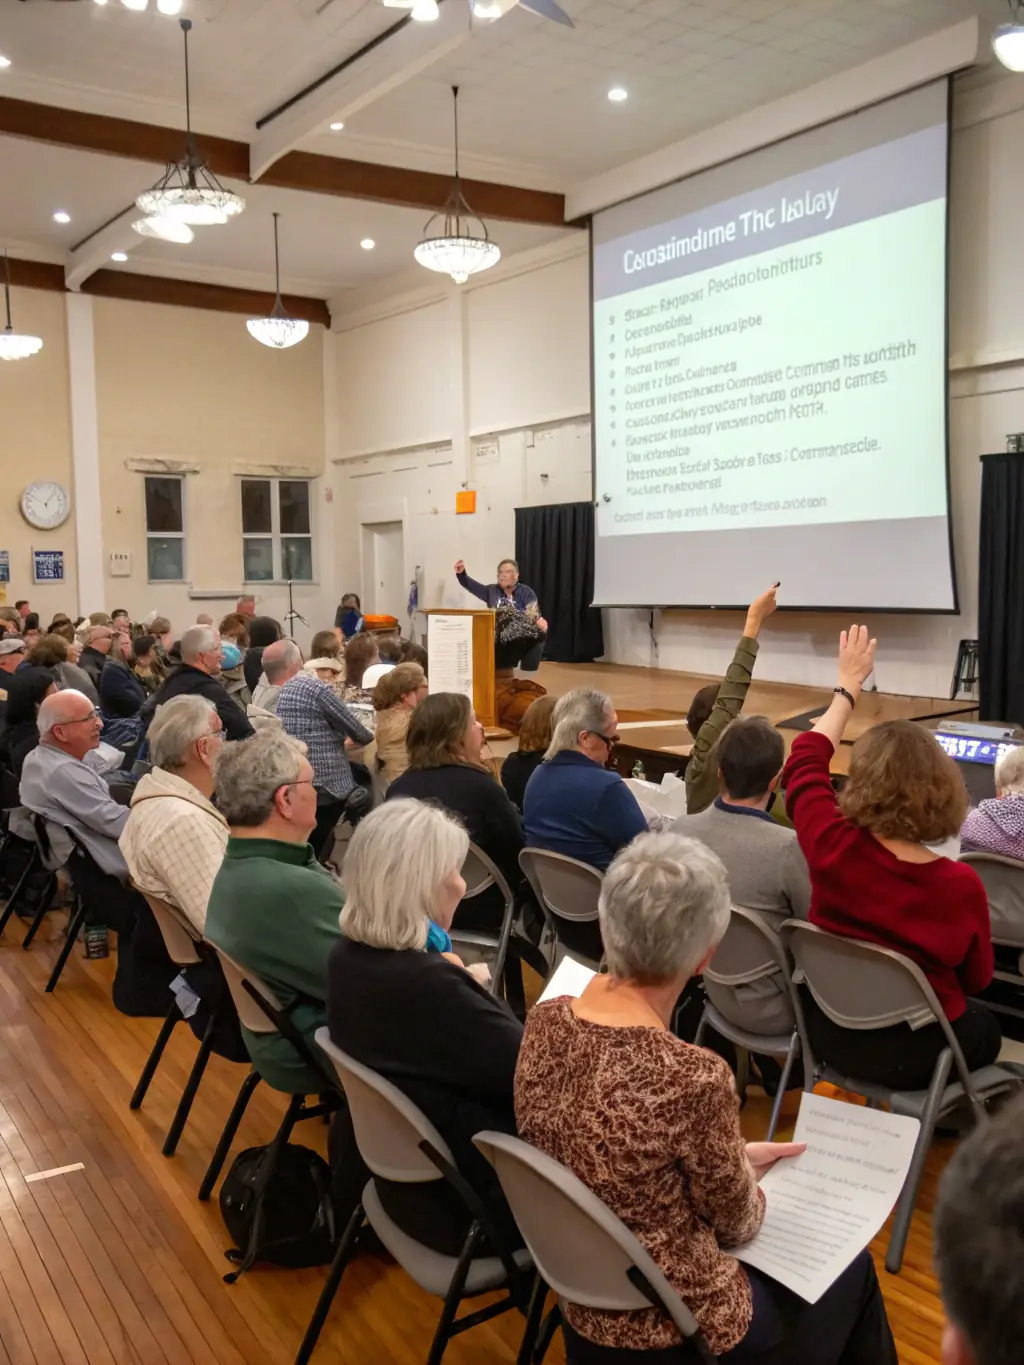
(400,1004)
(444,742)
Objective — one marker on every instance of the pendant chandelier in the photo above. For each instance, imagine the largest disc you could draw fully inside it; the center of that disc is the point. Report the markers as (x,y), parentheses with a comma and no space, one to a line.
(455,241)
(188,192)
(278,330)
(15,345)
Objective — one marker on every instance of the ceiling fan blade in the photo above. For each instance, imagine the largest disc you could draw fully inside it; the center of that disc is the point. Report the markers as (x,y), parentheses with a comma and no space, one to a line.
(548,9)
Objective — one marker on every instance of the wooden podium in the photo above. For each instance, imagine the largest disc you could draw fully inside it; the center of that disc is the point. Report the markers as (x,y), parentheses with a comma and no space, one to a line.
(465,665)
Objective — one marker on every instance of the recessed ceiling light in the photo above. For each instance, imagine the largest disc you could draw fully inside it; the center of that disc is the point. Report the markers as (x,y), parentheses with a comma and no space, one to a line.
(61,217)
(486,9)
(135,4)
(169,6)
(367,243)
(4,63)
(119,256)
(425,11)
(617,94)
(336,127)
(100,2)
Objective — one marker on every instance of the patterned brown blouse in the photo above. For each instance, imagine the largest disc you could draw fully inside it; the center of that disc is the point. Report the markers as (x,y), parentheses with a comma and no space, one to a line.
(651,1125)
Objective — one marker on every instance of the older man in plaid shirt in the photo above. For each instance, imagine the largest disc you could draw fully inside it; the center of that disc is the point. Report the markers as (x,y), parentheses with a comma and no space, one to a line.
(310,710)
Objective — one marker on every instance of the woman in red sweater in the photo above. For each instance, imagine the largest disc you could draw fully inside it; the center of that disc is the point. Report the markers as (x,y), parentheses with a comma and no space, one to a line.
(874,877)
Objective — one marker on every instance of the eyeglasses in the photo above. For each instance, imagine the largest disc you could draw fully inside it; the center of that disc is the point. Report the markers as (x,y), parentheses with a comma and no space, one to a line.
(609,740)
(93,715)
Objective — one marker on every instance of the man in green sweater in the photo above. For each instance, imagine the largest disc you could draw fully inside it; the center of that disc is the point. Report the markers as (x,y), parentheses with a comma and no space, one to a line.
(273,908)
(717,704)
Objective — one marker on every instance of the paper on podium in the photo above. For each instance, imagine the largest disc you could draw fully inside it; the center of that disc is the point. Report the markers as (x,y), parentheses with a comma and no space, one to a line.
(824,1207)
(570,978)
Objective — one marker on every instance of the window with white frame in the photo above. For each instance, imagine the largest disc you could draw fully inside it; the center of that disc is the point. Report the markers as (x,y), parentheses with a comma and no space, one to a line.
(277,540)
(165,529)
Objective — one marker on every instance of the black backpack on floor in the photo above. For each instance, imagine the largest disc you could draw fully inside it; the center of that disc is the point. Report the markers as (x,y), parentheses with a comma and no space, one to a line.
(279,1211)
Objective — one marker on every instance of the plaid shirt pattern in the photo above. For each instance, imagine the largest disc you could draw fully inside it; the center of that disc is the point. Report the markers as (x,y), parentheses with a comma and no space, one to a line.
(310,710)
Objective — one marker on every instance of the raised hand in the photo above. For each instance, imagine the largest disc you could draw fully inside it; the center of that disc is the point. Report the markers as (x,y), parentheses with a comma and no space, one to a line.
(759,611)
(856,657)
(460,566)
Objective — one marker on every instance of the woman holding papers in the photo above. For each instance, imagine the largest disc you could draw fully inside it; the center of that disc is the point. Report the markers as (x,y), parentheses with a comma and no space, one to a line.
(651,1125)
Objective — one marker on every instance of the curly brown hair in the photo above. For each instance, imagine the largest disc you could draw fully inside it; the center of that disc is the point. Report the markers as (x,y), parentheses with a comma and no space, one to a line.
(397,683)
(535,730)
(235,627)
(49,650)
(903,786)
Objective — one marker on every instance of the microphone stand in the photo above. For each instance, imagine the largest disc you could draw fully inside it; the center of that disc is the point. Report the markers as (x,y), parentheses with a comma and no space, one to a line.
(291,615)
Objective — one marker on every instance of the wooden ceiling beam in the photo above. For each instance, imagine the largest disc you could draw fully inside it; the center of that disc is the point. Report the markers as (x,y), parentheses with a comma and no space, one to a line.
(304,171)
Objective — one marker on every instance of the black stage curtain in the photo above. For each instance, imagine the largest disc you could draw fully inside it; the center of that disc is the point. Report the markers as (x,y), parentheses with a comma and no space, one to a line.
(1001,588)
(555,552)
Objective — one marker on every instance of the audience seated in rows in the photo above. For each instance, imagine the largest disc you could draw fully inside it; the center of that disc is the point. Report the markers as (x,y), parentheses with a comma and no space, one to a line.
(997,825)
(716,705)
(873,878)
(12,656)
(96,638)
(445,745)
(574,804)
(651,1125)
(762,859)
(234,639)
(121,695)
(53,651)
(263,631)
(199,675)
(281,660)
(26,692)
(979,1244)
(174,839)
(419,1017)
(146,664)
(311,712)
(273,908)
(534,739)
(360,653)
(395,698)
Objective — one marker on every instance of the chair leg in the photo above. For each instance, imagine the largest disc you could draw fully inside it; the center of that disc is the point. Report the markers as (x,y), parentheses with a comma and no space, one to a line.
(40,915)
(191,1086)
(74,929)
(534,1315)
(742,1074)
(342,1257)
(453,1298)
(227,1137)
(780,1094)
(702,1028)
(12,899)
(153,1061)
(246,1257)
(547,1332)
(908,1195)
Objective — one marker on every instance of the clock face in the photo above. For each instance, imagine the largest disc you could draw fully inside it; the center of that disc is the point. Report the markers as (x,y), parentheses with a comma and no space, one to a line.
(45,504)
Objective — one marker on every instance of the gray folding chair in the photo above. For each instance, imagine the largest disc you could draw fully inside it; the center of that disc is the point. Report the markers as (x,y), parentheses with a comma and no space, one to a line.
(567,891)
(1003,879)
(580,1248)
(752,951)
(398,1143)
(861,986)
(480,874)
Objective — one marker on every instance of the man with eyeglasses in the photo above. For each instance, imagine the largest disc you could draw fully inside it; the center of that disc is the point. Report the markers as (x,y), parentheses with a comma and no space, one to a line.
(94,655)
(575,804)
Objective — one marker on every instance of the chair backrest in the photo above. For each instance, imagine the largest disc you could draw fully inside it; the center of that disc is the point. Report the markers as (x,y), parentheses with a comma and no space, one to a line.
(179,940)
(750,950)
(250,1014)
(389,1128)
(10,790)
(480,874)
(566,887)
(583,1251)
(862,985)
(1003,879)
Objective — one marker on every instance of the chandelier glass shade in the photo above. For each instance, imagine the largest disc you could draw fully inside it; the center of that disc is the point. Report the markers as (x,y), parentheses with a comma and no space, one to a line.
(188,191)
(1008,44)
(278,330)
(164,230)
(455,240)
(15,345)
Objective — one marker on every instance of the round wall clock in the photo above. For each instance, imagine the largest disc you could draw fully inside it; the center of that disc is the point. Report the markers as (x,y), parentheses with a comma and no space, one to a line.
(45,504)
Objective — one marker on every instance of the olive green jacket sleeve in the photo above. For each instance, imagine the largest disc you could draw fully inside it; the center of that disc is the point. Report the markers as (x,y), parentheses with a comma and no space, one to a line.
(702,776)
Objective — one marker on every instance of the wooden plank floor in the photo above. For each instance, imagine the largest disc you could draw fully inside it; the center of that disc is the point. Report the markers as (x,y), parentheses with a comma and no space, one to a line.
(118,1263)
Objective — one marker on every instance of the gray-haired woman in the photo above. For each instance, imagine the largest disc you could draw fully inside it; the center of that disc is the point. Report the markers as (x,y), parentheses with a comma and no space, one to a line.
(418,1016)
(651,1125)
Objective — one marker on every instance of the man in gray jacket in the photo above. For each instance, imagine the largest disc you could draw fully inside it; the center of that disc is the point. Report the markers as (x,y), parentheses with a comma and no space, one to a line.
(762,859)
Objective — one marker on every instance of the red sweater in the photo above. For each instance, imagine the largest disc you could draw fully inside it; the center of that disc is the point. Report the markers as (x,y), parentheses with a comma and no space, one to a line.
(935,913)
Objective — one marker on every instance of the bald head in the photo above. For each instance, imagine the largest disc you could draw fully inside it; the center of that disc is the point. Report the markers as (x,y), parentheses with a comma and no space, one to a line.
(68,721)
(281,661)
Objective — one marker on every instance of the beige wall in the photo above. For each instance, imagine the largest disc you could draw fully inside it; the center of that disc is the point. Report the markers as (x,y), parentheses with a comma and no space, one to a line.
(192,386)
(35,443)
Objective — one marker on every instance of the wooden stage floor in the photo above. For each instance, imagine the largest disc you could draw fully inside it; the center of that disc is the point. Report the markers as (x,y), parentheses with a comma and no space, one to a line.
(652,704)
(118,1263)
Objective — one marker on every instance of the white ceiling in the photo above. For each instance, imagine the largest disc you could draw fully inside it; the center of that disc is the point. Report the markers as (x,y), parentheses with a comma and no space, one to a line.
(534,107)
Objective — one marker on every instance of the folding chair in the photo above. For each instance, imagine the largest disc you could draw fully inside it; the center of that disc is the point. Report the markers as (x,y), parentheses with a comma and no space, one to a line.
(567,891)
(861,986)
(580,1248)
(260,1011)
(751,951)
(40,860)
(1003,879)
(185,949)
(480,874)
(399,1143)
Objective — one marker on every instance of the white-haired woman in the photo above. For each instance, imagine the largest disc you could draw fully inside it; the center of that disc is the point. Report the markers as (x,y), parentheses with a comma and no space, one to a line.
(651,1125)
(997,825)
(419,1017)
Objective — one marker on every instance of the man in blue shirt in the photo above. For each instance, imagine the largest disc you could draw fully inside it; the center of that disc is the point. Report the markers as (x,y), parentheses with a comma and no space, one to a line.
(575,805)
(509,590)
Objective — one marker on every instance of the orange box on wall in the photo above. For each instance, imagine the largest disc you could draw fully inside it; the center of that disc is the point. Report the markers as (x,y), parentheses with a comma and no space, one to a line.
(465,501)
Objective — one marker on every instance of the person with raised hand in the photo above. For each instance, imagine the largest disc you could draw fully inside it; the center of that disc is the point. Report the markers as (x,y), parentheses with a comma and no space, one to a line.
(874,877)
(715,705)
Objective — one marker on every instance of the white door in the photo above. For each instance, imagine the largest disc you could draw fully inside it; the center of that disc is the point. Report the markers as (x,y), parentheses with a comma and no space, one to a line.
(384,569)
